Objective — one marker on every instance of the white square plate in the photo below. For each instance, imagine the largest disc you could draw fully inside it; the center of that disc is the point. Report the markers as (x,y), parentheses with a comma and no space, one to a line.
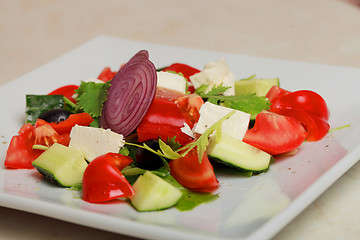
(248,208)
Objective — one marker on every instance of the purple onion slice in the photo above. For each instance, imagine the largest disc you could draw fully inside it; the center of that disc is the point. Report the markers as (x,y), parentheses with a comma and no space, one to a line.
(131,92)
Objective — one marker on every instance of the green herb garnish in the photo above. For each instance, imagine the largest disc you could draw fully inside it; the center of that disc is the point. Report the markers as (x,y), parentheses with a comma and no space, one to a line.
(91,97)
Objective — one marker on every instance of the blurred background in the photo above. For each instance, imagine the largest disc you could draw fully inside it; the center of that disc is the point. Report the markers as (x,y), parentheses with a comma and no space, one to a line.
(34,32)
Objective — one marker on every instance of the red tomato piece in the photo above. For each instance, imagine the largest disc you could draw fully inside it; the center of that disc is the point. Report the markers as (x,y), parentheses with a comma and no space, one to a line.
(106,74)
(163,119)
(276,91)
(27,127)
(65,139)
(316,127)
(103,180)
(82,119)
(19,155)
(194,175)
(120,160)
(67,91)
(306,100)
(147,131)
(46,135)
(27,134)
(189,106)
(40,122)
(275,133)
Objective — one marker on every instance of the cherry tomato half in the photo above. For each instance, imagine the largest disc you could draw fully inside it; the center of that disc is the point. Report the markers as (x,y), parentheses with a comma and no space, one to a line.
(306,100)
(103,180)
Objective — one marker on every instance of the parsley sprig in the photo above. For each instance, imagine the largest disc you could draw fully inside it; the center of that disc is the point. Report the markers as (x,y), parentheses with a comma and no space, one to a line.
(249,103)
(91,97)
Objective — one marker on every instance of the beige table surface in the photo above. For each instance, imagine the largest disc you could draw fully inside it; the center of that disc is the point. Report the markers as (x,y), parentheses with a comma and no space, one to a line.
(34,32)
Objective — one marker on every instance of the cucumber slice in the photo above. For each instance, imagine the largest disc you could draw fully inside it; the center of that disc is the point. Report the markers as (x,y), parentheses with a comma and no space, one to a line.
(62,165)
(258,86)
(154,193)
(238,154)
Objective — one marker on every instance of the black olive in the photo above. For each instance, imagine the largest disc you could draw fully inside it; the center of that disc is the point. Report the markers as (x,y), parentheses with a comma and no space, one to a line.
(146,159)
(55,115)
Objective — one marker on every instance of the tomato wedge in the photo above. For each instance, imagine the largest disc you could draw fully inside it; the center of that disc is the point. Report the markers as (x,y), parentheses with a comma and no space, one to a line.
(103,180)
(45,135)
(191,174)
(275,133)
(19,155)
(67,91)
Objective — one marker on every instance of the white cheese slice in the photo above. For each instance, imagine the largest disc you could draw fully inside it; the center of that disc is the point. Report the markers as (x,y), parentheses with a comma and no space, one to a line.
(236,126)
(93,142)
(171,81)
(187,130)
(214,74)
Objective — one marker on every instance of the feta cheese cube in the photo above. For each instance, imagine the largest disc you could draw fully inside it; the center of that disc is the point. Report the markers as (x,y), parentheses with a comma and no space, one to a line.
(93,142)
(172,81)
(236,126)
(214,74)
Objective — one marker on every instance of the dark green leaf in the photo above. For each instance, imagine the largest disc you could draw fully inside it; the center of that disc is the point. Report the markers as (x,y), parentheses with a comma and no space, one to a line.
(38,104)
(91,97)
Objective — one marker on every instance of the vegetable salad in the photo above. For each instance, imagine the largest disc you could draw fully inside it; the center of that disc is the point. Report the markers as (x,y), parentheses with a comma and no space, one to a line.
(152,136)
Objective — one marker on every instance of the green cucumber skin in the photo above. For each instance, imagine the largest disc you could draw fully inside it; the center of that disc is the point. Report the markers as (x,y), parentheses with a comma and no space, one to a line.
(51,177)
(239,168)
(237,154)
(61,165)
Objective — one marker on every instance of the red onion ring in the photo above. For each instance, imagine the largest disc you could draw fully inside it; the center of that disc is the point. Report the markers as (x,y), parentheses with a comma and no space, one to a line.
(131,92)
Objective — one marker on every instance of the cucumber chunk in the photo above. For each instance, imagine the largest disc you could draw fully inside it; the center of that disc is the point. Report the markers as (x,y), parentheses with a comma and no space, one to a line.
(62,165)
(238,154)
(154,193)
(258,86)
